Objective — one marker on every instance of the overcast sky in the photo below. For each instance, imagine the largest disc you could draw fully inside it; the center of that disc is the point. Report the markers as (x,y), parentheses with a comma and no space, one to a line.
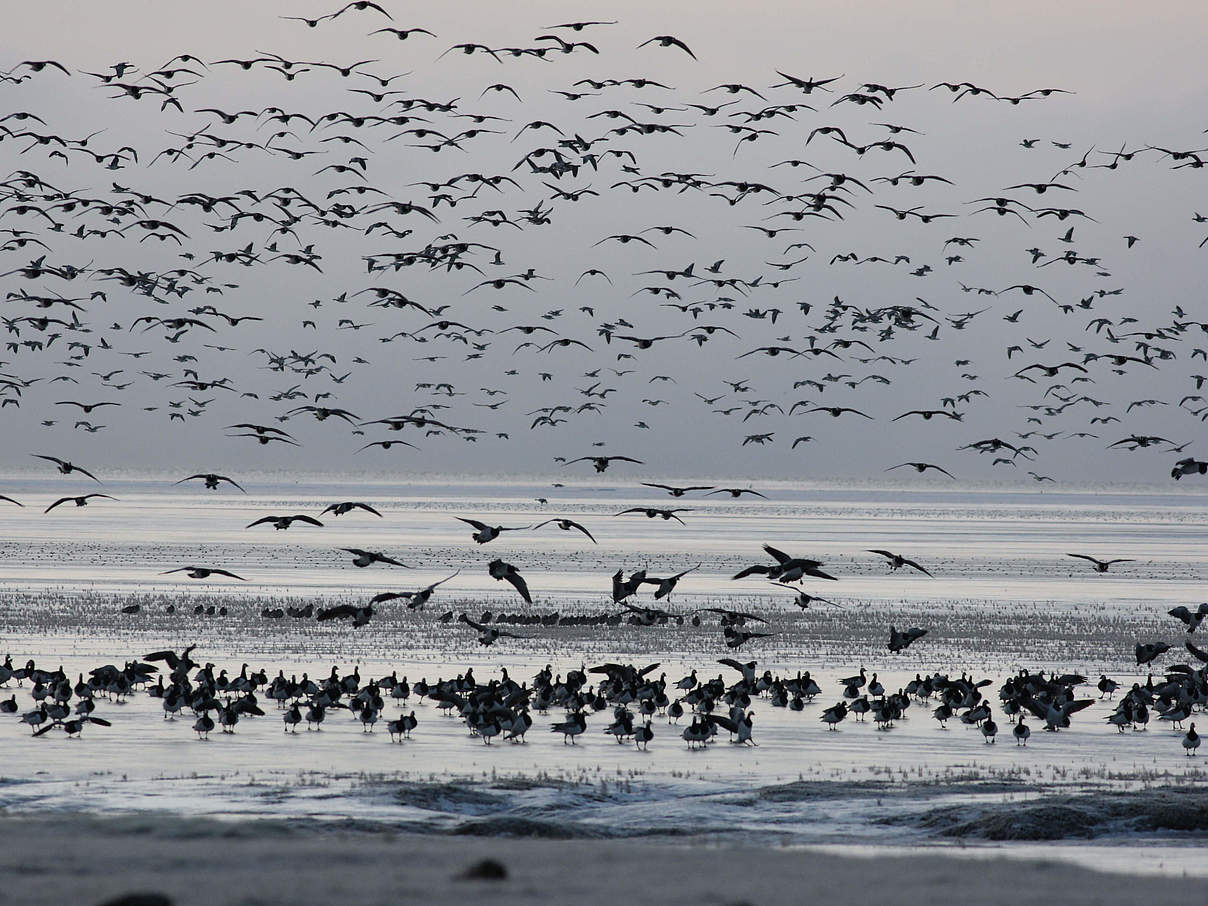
(1133,73)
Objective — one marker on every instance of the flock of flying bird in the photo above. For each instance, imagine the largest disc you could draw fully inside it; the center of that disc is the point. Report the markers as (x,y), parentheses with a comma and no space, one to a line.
(107,272)
(107,261)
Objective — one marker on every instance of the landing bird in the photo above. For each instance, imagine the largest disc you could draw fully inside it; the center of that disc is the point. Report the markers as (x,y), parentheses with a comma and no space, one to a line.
(78,501)
(414,599)
(281,523)
(368,558)
(339,509)
(1149,652)
(566,525)
(804,599)
(360,615)
(897,561)
(1190,618)
(921,467)
(675,491)
(66,467)
(505,572)
(487,635)
(651,512)
(666,586)
(211,480)
(203,572)
(1101,566)
(484,533)
(900,641)
(603,462)
(786,568)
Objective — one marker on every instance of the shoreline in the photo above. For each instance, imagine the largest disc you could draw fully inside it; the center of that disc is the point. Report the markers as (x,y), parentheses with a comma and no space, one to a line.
(85,859)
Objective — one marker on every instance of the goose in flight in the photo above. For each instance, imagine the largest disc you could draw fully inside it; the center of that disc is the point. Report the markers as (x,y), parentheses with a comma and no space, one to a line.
(786,568)
(1190,618)
(736,638)
(603,462)
(483,533)
(667,585)
(921,467)
(359,614)
(280,523)
(339,509)
(566,525)
(804,599)
(66,467)
(676,491)
(487,635)
(78,501)
(669,41)
(651,512)
(900,641)
(505,572)
(203,572)
(1101,566)
(897,561)
(414,599)
(211,480)
(737,492)
(368,558)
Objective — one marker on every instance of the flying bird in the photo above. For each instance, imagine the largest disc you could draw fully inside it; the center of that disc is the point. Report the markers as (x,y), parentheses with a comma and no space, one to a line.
(1100,566)
(78,501)
(897,561)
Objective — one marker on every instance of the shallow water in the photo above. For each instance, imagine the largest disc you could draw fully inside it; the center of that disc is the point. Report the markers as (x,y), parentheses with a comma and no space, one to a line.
(1004,597)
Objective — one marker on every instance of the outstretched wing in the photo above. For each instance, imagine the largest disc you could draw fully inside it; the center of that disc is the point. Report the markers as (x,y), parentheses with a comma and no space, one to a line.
(336,613)
(778,555)
(520,585)
(473,625)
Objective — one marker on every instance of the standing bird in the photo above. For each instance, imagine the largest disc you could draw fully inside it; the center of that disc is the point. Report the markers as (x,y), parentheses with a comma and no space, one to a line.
(989,728)
(1191,741)
(1021,732)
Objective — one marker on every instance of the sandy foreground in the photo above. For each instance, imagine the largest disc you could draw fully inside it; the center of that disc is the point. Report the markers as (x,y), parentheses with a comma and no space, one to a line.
(80,859)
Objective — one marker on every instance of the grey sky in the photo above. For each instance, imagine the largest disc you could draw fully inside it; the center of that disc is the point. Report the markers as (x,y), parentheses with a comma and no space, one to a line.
(1135,73)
